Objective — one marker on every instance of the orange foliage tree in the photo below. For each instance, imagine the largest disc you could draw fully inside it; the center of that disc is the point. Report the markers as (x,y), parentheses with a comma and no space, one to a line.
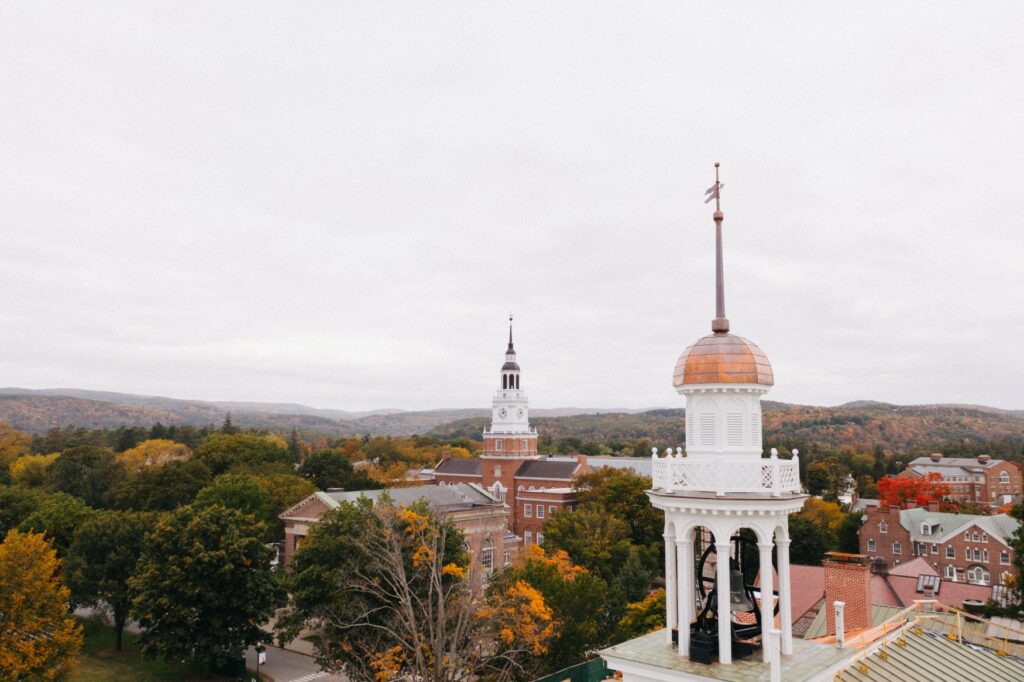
(897,491)
(38,639)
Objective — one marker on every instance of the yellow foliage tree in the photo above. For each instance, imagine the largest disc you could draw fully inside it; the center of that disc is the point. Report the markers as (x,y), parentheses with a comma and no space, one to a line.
(38,640)
(30,470)
(153,453)
(826,513)
(13,443)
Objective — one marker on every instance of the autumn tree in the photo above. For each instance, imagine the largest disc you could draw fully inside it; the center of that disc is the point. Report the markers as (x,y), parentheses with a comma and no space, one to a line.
(102,558)
(284,491)
(578,601)
(203,587)
(39,640)
(13,444)
(642,617)
(16,505)
(897,491)
(621,493)
(30,470)
(592,537)
(394,595)
(153,453)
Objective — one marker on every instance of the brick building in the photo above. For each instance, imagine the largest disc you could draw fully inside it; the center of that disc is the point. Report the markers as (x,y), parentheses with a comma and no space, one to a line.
(960,547)
(482,519)
(982,481)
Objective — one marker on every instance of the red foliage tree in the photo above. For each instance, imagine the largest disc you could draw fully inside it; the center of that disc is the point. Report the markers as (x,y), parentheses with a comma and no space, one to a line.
(896,492)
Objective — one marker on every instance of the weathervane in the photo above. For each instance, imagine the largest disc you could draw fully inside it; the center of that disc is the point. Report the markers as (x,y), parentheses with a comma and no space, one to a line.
(713,190)
(720,325)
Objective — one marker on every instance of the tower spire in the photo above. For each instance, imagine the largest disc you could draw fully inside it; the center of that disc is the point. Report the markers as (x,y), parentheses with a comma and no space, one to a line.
(511,349)
(720,325)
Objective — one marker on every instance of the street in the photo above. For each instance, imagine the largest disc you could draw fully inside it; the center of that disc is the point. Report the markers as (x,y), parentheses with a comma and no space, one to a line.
(288,666)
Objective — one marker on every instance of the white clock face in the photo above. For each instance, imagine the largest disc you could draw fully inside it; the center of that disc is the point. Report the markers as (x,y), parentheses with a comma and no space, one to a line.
(502,413)
(520,413)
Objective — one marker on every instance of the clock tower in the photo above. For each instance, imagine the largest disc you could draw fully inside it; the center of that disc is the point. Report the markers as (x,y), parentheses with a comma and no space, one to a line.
(510,440)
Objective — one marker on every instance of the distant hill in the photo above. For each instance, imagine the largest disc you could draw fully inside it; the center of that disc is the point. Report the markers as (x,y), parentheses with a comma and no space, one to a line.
(863,424)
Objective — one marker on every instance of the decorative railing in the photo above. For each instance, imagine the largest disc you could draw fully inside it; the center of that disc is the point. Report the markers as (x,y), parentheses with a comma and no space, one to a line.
(721,475)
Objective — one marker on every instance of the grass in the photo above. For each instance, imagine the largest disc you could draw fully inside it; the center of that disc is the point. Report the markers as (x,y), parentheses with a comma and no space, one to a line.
(99,662)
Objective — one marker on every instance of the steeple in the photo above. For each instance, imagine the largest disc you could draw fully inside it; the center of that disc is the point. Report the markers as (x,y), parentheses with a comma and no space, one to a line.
(511,349)
(720,325)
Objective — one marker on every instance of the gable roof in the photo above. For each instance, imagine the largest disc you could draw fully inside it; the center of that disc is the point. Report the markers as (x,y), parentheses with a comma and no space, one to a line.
(460,467)
(999,526)
(445,498)
(970,463)
(557,470)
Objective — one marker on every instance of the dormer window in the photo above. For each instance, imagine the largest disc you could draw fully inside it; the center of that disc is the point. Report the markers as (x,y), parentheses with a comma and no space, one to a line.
(926,529)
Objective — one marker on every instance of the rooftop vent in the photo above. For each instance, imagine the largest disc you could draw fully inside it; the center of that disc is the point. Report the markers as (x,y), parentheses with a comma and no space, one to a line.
(928,583)
(984,459)
(936,456)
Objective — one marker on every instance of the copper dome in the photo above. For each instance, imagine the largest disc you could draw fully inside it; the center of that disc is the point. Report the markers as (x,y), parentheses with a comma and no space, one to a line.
(722,359)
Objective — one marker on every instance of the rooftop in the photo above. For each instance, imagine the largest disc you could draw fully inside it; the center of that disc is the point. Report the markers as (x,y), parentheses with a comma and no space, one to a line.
(807,661)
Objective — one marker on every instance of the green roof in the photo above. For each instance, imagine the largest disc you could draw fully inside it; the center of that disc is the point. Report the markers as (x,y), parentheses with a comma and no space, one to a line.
(920,655)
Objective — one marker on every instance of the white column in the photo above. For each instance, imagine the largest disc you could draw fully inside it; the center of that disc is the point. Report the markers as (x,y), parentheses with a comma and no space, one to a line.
(724,613)
(670,586)
(785,596)
(767,600)
(685,591)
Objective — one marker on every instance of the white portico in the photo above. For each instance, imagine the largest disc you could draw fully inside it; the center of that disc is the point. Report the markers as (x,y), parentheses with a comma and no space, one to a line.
(725,490)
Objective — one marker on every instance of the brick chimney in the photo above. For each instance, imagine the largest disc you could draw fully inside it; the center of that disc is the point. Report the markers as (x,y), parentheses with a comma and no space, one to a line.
(446,454)
(848,579)
(933,506)
(910,504)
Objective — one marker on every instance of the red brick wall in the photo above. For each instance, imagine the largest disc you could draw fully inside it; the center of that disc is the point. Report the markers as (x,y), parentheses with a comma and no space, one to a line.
(847,579)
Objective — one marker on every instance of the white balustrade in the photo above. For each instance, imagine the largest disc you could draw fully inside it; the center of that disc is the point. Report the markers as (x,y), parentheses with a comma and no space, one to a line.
(677,473)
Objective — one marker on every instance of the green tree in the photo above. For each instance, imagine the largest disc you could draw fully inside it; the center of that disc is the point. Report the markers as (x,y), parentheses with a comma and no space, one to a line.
(58,518)
(810,539)
(228,428)
(102,558)
(161,488)
(87,472)
(203,586)
(329,469)
(592,538)
(284,491)
(847,535)
(241,492)
(222,451)
(621,493)
(16,505)
(39,640)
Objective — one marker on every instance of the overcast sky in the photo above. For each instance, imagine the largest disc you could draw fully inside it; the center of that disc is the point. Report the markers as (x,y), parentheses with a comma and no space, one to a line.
(339,203)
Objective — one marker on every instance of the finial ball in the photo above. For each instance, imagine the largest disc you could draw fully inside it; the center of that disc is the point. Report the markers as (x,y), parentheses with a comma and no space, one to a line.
(716,164)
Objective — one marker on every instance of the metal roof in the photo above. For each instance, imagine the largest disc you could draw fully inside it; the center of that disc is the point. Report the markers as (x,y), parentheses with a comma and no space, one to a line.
(923,656)
(444,497)
(560,470)
(999,526)
(464,467)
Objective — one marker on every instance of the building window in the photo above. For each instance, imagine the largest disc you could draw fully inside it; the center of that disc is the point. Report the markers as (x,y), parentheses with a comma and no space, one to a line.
(526,445)
(926,529)
(521,489)
(871,544)
(528,513)
(984,537)
(487,555)
(531,489)
(1004,477)
(1003,577)
(967,536)
(950,572)
(897,548)
(540,538)
(950,553)
(967,553)
(977,554)
(551,509)
(497,471)
(975,538)
(1004,557)
(527,538)
(984,555)
(540,513)
(497,444)
(977,575)
(505,557)
(883,527)
(935,548)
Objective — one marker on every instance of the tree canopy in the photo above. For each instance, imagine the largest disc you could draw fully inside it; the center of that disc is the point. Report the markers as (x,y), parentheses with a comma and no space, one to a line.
(203,586)
(222,451)
(38,638)
(87,472)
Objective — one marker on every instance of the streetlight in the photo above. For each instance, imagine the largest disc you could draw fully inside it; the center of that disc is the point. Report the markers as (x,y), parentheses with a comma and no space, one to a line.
(261,657)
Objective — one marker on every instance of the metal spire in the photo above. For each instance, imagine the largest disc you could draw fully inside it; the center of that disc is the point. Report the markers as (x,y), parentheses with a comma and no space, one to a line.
(510,347)
(720,325)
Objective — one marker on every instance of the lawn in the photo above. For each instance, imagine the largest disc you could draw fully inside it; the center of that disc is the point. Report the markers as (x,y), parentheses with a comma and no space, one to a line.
(99,662)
